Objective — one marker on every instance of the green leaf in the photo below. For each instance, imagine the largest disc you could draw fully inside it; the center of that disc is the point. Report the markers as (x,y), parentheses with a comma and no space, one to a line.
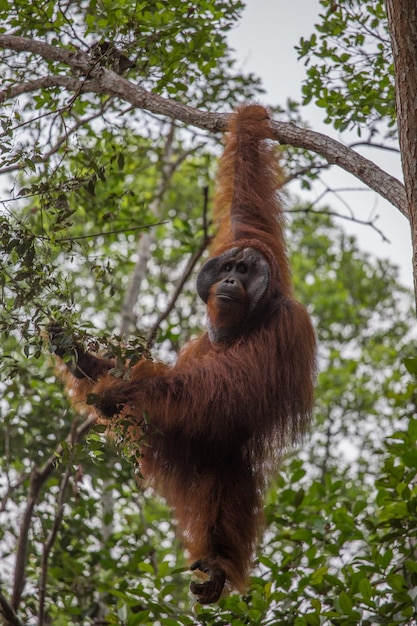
(411,365)
(345,603)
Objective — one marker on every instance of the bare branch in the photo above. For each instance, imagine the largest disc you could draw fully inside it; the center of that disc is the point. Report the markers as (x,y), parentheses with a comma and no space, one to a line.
(371,144)
(108,82)
(305,170)
(40,83)
(75,58)
(336,153)
(128,229)
(348,218)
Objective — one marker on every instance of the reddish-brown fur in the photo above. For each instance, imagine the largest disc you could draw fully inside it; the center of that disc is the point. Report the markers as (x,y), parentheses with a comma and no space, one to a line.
(218,420)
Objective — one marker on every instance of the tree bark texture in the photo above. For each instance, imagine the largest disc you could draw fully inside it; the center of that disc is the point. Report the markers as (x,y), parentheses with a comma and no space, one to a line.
(402,22)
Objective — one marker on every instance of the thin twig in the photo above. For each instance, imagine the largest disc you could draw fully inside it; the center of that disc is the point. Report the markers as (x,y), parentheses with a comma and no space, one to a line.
(304,170)
(371,144)
(108,233)
(341,216)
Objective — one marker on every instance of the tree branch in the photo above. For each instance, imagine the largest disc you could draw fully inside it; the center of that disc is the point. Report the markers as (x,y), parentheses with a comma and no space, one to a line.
(105,81)
(9,614)
(370,223)
(10,92)
(336,153)
(76,58)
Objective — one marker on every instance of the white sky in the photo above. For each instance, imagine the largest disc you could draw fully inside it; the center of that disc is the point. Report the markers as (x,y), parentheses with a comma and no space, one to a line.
(264,42)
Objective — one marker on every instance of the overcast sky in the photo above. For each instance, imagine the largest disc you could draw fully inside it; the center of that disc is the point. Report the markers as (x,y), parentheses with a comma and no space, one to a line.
(264,42)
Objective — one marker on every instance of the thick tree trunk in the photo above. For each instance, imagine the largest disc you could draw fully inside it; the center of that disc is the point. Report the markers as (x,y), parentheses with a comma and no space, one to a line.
(402,21)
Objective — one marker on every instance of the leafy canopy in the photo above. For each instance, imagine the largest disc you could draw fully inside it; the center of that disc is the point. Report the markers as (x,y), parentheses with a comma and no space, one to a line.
(350,72)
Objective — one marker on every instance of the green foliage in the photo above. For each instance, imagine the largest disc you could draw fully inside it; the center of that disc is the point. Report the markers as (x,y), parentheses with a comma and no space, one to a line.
(90,180)
(349,63)
(171,43)
(77,246)
(175,50)
(356,304)
(340,518)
